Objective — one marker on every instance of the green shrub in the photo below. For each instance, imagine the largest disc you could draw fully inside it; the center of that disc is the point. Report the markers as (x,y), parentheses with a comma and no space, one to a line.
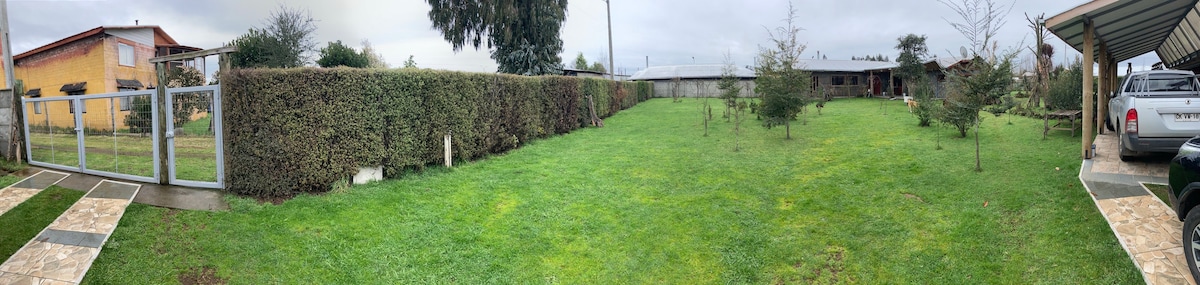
(292,131)
(1066,90)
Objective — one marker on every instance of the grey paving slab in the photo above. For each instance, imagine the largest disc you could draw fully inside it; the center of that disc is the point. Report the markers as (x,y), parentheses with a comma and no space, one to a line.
(41,180)
(113,190)
(92,240)
(1105,190)
(168,196)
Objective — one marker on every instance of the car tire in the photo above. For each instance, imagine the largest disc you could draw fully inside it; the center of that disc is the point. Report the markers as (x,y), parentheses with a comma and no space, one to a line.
(1108,124)
(1125,153)
(1191,237)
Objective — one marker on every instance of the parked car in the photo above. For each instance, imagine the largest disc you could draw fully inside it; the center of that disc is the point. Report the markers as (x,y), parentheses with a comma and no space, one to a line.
(1155,111)
(1184,184)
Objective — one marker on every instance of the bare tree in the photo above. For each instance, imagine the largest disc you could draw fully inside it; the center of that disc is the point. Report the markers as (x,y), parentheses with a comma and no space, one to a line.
(374,58)
(981,20)
(1043,60)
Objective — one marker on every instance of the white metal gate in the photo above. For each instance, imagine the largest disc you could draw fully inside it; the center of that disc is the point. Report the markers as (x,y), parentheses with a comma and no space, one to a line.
(194,143)
(117,135)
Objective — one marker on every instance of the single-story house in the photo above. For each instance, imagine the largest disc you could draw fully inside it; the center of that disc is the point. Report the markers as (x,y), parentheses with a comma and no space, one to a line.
(851,78)
(693,80)
(936,68)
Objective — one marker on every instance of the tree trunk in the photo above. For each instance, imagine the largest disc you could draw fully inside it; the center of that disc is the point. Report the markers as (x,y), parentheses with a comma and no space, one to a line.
(788,125)
(978,168)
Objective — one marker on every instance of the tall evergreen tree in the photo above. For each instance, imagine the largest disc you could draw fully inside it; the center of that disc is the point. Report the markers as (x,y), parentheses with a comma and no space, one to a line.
(912,52)
(581,62)
(523,35)
(782,86)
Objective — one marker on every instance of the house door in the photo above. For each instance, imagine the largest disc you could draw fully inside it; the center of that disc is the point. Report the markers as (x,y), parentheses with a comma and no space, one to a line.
(876,86)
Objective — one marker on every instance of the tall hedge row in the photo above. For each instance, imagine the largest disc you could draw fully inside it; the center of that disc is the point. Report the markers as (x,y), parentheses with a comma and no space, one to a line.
(301,130)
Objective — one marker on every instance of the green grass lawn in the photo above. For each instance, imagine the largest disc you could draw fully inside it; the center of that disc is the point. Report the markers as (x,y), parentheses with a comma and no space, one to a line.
(1159,191)
(856,197)
(29,218)
(129,154)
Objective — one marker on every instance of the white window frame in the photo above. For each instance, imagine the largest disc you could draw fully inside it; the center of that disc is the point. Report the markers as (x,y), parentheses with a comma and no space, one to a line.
(126,103)
(125,55)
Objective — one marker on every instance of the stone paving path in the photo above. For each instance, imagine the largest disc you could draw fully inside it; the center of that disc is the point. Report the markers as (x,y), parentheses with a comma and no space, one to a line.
(63,252)
(17,193)
(1146,227)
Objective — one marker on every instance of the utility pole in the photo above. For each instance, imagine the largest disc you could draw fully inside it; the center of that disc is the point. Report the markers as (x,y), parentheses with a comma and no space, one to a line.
(9,78)
(611,70)
(15,118)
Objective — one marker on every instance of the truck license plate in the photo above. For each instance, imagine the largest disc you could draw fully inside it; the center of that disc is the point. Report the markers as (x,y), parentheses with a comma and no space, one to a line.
(1187,117)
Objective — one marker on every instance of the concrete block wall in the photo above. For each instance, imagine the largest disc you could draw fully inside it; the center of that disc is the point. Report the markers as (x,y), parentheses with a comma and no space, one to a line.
(707,88)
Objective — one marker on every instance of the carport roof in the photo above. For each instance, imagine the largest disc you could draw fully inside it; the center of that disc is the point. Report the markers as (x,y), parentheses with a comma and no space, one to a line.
(1131,28)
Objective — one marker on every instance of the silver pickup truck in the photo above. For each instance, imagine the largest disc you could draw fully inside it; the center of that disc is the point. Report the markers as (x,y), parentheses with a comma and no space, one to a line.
(1155,111)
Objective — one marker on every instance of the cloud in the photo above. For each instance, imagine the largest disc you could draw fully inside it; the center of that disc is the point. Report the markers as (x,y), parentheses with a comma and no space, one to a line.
(663,32)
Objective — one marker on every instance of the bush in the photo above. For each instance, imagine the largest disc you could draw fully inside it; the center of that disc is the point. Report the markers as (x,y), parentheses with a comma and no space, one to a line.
(1066,90)
(300,130)
(926,109)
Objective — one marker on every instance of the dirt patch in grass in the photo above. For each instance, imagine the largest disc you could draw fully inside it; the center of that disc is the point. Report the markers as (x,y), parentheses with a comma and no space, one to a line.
(203,275)
(829,271)
(914,197)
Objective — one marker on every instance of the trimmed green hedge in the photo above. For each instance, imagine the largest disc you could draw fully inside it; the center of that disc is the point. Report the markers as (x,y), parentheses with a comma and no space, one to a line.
(301,130)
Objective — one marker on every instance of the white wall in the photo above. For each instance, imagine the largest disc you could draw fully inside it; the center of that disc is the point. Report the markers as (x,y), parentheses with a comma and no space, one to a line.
(142,36)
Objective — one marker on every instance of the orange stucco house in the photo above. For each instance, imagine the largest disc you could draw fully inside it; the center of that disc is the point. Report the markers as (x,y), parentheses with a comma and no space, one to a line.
(101,60)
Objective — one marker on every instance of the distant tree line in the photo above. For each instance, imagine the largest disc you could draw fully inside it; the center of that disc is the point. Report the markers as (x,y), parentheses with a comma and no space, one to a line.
(878,57)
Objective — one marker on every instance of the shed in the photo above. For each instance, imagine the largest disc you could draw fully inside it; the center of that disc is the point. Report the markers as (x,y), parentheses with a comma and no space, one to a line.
(694,80)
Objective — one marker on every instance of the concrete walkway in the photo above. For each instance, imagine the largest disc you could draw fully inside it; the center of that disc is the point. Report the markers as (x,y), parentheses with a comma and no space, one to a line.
(166,196)
(1146,227)
(63,252)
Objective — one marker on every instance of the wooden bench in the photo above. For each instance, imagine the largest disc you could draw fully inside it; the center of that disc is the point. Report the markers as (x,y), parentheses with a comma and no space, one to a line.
(1064,121)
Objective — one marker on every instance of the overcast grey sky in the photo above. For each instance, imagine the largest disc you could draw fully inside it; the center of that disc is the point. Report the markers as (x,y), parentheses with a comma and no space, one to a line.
(669,32)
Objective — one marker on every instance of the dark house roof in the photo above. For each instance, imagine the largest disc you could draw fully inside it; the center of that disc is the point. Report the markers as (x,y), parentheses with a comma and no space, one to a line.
(72,87)
(129,83)
(575,72)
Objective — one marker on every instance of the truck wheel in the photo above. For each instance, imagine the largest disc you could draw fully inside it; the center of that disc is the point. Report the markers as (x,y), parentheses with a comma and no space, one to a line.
(1125,153)
(1191,240)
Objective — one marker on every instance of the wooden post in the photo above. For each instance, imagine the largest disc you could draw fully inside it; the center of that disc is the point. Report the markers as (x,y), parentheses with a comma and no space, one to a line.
(1089,52)
(1102,96)
(871,83)
(164,165)
(448,153)
(891,84)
